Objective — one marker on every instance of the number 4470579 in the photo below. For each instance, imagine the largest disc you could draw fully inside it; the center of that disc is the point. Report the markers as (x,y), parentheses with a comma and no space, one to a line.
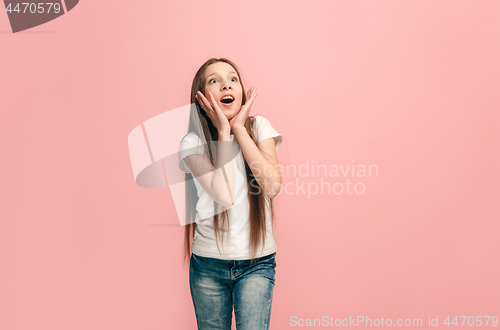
(471,321)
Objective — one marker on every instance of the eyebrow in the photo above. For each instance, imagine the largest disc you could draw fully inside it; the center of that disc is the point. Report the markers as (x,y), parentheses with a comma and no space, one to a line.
(216,73)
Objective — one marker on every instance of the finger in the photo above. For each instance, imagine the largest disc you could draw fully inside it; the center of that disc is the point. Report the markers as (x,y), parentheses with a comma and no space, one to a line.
(251,99)
(205,102)
(203,98)
(212,101)
(200,102)
(203,105)
(215,105)
(254,93)
(199,98)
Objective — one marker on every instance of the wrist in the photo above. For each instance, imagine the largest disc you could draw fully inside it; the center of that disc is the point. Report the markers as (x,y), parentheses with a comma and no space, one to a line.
(238,129)
(225,134)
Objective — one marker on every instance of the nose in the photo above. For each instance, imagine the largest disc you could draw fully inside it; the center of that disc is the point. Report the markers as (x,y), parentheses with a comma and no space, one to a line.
(226,86)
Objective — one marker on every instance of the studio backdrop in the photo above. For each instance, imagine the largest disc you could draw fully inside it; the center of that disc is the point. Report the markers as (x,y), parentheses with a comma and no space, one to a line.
(389,111)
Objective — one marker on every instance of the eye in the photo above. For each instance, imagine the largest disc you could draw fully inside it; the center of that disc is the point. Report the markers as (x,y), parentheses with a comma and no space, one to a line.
(235,79)
(211,80)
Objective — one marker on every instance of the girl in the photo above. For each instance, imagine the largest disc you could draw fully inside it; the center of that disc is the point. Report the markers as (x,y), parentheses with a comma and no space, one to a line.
(232,176)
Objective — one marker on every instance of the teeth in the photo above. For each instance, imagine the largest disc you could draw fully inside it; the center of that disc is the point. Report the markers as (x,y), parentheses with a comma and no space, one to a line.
(227,97)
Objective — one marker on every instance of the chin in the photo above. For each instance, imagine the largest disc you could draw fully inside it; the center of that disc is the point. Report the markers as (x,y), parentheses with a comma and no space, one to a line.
(230,114)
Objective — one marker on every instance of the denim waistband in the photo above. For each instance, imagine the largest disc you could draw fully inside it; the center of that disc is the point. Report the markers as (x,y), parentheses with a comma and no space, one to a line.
(234,262)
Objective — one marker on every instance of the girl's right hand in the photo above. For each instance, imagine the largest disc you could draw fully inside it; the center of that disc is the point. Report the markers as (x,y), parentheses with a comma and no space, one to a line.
(213,111)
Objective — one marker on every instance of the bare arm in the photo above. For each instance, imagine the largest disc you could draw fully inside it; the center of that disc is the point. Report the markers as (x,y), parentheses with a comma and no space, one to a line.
(262,160)
(213,179)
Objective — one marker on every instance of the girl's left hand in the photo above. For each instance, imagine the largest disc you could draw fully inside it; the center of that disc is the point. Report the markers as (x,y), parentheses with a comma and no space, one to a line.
(240,118)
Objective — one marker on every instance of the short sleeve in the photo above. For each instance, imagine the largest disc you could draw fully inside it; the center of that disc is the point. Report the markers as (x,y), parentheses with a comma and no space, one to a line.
(191,144)
(266,131)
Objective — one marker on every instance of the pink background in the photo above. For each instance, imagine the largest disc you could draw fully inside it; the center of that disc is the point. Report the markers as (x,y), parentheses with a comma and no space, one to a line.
(410,86)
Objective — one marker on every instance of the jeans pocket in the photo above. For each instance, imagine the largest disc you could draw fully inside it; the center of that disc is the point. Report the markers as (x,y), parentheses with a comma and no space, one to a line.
(274,259)
(271,259)
(270,256)
(196,257)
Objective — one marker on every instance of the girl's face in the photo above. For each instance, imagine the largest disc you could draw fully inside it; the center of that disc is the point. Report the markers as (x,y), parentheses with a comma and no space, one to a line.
(222,80)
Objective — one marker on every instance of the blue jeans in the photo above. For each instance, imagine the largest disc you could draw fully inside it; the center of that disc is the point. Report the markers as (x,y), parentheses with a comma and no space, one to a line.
(217,284)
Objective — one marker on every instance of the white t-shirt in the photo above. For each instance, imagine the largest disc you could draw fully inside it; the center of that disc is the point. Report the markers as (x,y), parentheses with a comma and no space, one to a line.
(236,245)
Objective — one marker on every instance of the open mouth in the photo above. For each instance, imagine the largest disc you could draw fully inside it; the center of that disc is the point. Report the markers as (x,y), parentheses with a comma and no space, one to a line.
(227,99)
